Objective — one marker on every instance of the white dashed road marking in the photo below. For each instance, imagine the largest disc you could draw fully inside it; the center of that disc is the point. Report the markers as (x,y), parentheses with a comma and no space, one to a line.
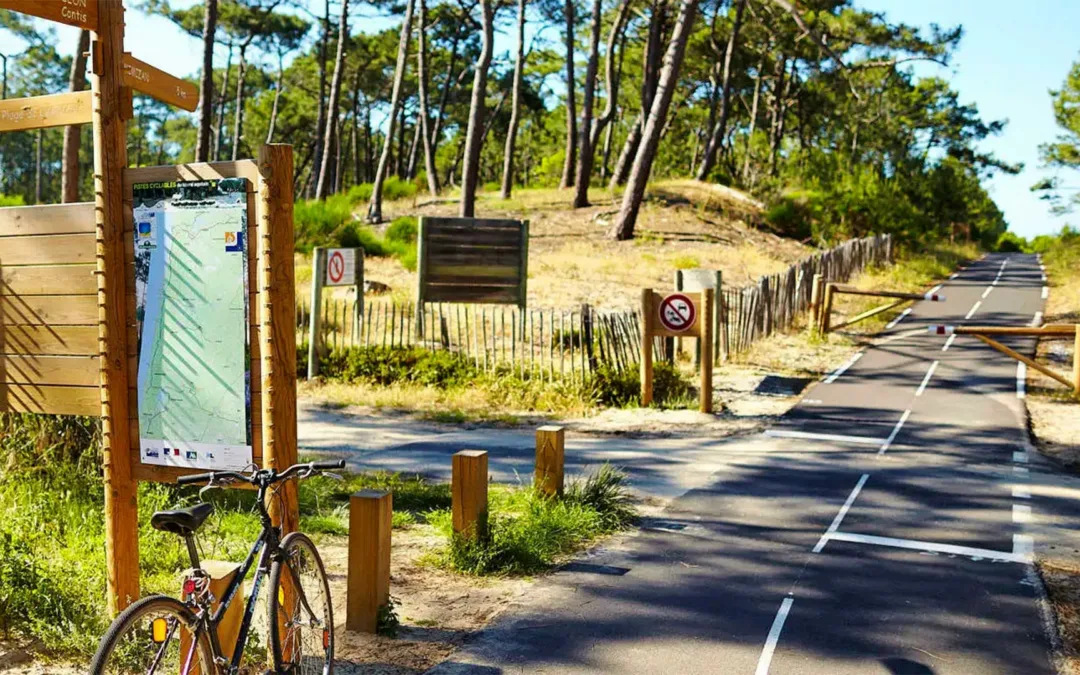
(1021,380)
(926,380)
(843,512)
(842,369)
(811,436)
(774,636)
(895,431)
(898,319)
(1018,555)
(1021,513)
(974,309)
(948,343)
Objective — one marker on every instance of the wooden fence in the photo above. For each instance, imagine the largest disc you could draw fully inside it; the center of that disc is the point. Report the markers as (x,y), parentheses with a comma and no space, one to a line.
(560,344)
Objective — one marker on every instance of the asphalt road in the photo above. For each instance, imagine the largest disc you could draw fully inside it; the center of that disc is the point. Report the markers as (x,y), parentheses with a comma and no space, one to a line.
(882,527)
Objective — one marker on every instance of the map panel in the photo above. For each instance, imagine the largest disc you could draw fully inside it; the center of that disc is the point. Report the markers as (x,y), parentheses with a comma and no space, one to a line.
(191,290)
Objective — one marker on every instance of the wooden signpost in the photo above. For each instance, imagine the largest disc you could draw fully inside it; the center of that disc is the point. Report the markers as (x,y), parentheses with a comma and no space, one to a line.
(331,267)
(67,294)
(677,315)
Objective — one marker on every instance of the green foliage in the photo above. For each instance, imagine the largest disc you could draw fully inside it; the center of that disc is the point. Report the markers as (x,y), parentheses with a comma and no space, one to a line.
(685,262)
(385,365)
(528,532)
(386,620)
(1064,152)
(1010,242)
(396,188)
(402,230)
(612,387)
(322,223)
(11,200)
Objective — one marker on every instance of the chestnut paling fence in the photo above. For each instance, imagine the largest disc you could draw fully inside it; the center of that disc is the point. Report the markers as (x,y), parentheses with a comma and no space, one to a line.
(558,344)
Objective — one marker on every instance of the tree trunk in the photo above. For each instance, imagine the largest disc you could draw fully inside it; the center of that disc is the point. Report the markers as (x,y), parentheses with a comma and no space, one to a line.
(399,158)
(277,98)
(571,107)
(474,135)
(719,131)
(753,115)
(322,188)
(414,146)
(444,99)
(73,133)
(219,137)
(206,91)
(616,112)
(612,74)
(779,112)
(425,122)
(515,106)
(585,156)
(320,120)
(653,43)
(369,166)
(623,227)
(238,118)
(375,206)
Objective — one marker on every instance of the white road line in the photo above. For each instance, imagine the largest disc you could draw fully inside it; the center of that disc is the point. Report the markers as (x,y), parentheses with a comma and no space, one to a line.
(1020,457)
(1020,472)
(974,309)
(1037,321)
(934,547)
(1021,513)
(895,431)
(810,436)
(898,319)
(1021,380)
(774,636)
(842,369)
(953,275)
(1044,277)
(1023,546)
(933,290)
(948,343)
(1021,493)
(926,380)
(840,516)
(1046,292)
(987,291)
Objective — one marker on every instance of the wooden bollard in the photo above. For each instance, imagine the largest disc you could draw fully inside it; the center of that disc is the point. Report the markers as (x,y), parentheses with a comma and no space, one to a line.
(469,488)
(548,475)
(826,310)
(1076,362)
(814,324)
(221,573)
(370,514)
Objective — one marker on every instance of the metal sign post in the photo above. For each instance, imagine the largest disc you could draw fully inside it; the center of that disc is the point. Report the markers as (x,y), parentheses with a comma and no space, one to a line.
(677,315)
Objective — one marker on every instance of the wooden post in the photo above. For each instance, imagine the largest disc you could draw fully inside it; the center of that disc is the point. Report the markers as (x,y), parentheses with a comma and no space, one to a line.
(675,345)
(814,324)
(370,516)
(110,160)
(720,335)
(548,475)
(469,488)
(277,333)
(826,310)
(646,346)
(706,329)
(221,573)
(421,274)
(318,275)
(1076,362)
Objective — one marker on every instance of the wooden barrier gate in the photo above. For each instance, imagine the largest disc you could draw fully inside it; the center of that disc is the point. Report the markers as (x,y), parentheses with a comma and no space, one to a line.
(67,296)
(823,295)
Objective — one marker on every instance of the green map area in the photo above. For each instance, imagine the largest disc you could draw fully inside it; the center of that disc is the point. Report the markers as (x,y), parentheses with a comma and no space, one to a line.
(191,272)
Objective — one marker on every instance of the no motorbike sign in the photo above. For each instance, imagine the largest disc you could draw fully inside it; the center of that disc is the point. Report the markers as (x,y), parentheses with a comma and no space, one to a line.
(341,267)
(677,313)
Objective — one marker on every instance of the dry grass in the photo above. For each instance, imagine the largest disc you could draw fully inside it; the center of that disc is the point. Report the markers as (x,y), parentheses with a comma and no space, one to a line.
(1062,581)
(571,260)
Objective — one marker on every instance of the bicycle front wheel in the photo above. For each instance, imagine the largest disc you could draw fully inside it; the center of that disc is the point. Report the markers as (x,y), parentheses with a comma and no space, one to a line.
(154,637)
(301,618)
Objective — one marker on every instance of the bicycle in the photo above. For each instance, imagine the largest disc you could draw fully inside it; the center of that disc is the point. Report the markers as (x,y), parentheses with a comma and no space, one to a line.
(160,634)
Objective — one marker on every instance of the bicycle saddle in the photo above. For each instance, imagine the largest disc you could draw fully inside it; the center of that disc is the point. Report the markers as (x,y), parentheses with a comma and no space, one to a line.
(182,521)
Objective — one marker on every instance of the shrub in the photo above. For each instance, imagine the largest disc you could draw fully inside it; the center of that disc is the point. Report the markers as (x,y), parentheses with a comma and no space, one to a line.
(385,365)
(612,387)
(11,200)
(395,188)
(359,194)
(318,222)
(685,262)
(402,230)
(605,492)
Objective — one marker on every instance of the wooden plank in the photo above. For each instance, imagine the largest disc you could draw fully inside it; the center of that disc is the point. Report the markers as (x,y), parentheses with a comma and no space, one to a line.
(59,249)
(446,224)
(48,310)
(244,168)
(464,280)
(479,238)
(74,371)
(78,13)
(368,584)
(49,340)
(479,294)
(50,400)
(490,272)
(142,76)
(48,280)
(472,256)
(43,112)
(47,219)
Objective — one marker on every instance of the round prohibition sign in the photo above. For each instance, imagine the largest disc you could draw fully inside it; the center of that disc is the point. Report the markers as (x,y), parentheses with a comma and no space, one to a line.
(335,267)
(677,313)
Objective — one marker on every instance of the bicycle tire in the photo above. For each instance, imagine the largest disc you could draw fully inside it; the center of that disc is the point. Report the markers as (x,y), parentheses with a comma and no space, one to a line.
(317,592)
(108,661)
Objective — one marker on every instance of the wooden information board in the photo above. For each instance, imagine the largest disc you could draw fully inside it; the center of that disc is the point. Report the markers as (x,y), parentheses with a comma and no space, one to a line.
(473,260)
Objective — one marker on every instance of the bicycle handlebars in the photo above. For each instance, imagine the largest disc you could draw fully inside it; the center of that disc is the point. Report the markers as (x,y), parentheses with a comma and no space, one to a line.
(253,478)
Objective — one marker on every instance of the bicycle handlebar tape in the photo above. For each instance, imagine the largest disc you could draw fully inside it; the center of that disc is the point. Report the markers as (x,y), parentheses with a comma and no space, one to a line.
(195,478)
(331,464)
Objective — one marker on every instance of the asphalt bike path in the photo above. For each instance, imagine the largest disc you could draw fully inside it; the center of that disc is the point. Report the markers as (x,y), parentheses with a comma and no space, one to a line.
(883,526)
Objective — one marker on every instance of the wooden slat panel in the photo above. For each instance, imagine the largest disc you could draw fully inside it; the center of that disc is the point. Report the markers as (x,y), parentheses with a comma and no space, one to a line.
(458,224)
(244,168)
(49,219)
(48,280)
(495,294)
(477,238)
(472,256)
(50,400)
(75,371)
(49,310)
(43,112)
(49,340)
(459,280)
(56,249)
(492,274)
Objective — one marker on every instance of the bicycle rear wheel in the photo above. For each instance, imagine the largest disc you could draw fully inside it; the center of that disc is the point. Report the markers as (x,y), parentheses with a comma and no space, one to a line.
(301,618)
(154,637)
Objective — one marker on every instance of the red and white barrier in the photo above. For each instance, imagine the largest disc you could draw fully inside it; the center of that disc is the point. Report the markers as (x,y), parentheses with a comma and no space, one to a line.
(934,297)
(942,330)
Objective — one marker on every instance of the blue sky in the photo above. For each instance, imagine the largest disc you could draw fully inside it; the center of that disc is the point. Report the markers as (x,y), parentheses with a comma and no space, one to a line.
(1011,55)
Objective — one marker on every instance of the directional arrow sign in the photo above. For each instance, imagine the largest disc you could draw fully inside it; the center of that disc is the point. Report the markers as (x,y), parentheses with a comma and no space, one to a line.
(39,112)
(159,84)
(78,13)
